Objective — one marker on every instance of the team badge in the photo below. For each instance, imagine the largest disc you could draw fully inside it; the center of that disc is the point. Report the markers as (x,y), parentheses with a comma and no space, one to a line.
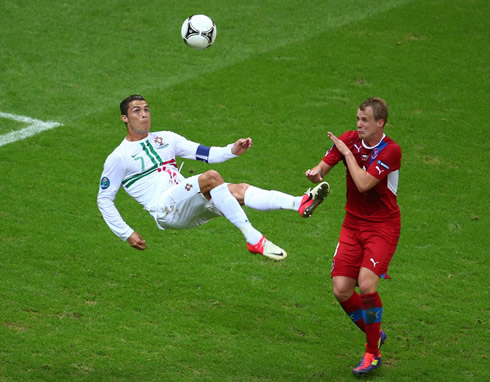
(188,186)
(105,183)
(158,140)
(160,143)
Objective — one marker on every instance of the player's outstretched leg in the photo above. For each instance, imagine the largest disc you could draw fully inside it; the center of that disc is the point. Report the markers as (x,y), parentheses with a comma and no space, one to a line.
(313,197)
(231,209)
(268,249)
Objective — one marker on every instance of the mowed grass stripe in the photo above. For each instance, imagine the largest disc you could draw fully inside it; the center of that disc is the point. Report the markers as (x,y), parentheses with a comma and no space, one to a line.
(231,47)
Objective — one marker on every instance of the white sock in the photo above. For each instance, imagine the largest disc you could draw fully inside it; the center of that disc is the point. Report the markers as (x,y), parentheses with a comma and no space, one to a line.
(231,209)
(265,200)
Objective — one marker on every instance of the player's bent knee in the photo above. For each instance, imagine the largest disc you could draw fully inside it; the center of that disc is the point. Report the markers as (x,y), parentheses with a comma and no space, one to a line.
(367,288)
(343,287)
(368,281)
(340,295)
(209,180)
(215,175)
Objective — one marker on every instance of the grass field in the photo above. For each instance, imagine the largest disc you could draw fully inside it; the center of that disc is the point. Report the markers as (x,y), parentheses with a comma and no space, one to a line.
(77,304)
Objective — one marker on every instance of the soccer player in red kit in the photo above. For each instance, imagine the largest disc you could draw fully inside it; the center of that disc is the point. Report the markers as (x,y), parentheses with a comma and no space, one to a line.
(371,228)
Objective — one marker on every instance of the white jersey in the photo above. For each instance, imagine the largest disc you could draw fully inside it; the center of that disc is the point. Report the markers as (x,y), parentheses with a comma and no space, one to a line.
(145,169)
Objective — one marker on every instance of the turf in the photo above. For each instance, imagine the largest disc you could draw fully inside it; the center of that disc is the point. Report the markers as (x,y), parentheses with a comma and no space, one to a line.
(78,304)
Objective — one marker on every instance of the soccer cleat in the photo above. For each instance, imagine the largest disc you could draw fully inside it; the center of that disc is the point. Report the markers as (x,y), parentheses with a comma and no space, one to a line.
(267,249)
(368,364)
(313,198)
(382,338)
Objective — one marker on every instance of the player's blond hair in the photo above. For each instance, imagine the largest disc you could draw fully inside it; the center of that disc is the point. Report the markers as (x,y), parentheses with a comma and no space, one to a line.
(378,106)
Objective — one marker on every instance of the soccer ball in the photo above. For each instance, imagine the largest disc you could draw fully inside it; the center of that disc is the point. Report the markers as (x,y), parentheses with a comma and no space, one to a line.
(199,31)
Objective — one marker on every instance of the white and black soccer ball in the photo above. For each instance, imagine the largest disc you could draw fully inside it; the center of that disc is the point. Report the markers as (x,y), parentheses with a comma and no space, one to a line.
(199,31)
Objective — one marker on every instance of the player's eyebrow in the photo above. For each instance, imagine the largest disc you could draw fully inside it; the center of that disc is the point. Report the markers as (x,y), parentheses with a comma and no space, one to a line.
(135,107)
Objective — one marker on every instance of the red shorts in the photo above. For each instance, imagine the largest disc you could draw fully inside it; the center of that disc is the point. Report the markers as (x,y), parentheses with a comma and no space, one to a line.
(364,244)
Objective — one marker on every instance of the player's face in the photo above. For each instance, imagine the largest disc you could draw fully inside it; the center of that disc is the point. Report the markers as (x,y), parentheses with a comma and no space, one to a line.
(368,128)
(138,119)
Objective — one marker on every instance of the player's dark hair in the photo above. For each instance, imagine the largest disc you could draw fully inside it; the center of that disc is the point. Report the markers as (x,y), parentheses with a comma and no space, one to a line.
(379,107)
(124,106)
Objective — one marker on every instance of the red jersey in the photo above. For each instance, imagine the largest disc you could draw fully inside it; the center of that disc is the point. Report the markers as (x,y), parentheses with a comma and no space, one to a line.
(381,161)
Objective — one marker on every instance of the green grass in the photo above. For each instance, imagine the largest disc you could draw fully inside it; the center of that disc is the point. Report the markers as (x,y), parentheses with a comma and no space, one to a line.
(77,304)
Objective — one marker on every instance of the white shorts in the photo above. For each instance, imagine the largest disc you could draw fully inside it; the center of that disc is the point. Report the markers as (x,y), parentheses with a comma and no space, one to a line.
(183,206)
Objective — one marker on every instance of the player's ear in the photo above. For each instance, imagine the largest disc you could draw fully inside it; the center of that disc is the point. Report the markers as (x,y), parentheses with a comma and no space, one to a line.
(380,122)
(124,118)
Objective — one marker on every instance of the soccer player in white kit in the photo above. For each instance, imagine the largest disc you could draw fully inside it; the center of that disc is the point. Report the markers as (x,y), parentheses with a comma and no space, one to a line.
(144,165)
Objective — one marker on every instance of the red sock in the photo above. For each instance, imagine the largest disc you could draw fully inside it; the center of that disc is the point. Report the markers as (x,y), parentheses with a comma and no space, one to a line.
(372,312)
(353,307)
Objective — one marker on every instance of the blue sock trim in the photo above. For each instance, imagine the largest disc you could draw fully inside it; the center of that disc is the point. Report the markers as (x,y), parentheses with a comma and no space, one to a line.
(202,153)
(357,315)
(372,315)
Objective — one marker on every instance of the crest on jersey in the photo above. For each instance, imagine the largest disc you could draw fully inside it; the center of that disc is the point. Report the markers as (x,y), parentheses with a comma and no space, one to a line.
(160,143)
(105,183)
(158,140)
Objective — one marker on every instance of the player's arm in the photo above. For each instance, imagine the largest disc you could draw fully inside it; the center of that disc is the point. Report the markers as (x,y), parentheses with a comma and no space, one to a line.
(187,149)
(241,145)
(216,154)
(136,241)
(110,183)
(317,173)
(363,181)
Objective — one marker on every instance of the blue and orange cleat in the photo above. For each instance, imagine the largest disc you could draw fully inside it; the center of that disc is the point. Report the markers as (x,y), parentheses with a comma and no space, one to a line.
(369,363)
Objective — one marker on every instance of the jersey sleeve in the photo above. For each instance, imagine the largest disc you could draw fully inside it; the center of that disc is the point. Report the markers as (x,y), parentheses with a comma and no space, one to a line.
(388,161)
(184,148)
(110,182)
(187,149)
(220,154)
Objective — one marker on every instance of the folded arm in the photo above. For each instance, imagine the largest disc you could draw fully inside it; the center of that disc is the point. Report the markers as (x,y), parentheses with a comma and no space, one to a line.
(362,179)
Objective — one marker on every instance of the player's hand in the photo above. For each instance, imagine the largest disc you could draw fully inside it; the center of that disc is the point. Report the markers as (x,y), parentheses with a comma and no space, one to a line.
(241,145)
(136,241)
(314,175)
(341,146)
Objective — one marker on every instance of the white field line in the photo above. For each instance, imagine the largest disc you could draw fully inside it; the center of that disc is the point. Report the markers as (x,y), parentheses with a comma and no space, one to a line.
(35,127)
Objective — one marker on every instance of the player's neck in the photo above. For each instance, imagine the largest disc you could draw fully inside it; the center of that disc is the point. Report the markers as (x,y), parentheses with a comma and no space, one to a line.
(132,136)
(372,143)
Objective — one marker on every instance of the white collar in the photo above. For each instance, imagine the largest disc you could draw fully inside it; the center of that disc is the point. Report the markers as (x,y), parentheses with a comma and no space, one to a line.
(372,147)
